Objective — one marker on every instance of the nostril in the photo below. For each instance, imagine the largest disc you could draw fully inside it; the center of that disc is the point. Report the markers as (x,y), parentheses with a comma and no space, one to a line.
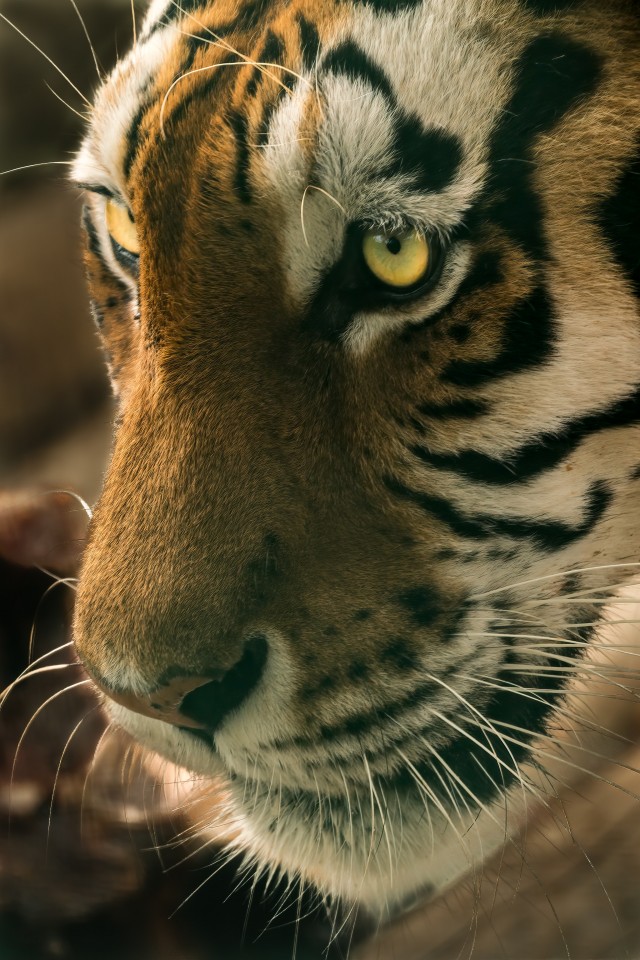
(161,703)
(197,703)
(209,704)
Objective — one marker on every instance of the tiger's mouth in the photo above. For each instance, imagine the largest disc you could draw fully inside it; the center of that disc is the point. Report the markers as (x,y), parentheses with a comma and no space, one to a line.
(369,805)
(457,749)
(469,725)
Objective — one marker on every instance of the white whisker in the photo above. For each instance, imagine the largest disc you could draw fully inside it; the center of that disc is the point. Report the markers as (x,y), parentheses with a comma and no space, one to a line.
(66,104)
(554,576)
(59,768)
(34,716)
(46,57)
(86,33)
(34,166)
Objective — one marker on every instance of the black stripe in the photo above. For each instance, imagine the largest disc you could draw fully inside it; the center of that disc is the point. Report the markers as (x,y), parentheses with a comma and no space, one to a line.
(454,408)
(241,184)
(435,729)
(162,19)
(442,510)
(262,137)
(534,458)
(620,221)
(494,768)
(200,92)
(389,6)
(133,134)
(194,45)
(527,340)
(360,723)
(483,771)
(273,48)
(431,157)
(544,7)
(272,51)
(177,11)
(309,42)
(251,16)
(93,241)
(350,60)
(195,42)
(487,772)
(552,76)
(547,535)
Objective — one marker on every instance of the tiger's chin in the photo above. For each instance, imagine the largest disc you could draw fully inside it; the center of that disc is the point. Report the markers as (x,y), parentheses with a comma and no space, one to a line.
(381,852)
(378,846)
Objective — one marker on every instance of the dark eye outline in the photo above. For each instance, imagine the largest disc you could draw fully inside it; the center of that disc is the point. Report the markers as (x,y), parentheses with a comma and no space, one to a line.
(415,290)
(349,287)
(128,261)
(363,290)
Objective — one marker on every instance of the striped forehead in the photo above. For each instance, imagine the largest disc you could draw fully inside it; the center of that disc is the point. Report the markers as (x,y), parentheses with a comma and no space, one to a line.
(368,62)
(102,155)
(397,87)
(388,120)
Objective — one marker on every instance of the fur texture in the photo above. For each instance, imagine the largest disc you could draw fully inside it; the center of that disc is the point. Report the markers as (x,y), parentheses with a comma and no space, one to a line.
(417,504)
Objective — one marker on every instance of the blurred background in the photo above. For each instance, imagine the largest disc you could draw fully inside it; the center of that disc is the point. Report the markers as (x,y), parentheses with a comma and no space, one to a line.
(51,372)
(88,867)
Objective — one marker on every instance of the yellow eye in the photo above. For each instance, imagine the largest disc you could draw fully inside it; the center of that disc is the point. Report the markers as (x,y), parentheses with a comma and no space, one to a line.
(121,227)
(397,259)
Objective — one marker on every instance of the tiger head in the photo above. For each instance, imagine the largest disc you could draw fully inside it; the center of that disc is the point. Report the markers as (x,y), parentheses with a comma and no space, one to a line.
(367,279)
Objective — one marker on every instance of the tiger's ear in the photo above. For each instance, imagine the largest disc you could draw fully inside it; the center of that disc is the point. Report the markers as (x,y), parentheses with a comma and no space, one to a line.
(40,529)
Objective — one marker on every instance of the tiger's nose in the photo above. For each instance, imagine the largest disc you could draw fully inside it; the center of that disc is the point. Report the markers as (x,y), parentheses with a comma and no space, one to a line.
(198,702)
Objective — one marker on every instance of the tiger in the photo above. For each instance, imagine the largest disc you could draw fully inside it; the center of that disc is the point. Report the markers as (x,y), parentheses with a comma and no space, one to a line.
(366,275)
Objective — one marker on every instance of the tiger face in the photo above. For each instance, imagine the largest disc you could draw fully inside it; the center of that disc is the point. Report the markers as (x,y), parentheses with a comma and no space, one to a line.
(367,279)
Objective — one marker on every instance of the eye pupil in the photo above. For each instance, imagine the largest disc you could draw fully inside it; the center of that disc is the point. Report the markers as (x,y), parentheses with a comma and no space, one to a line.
(398,260)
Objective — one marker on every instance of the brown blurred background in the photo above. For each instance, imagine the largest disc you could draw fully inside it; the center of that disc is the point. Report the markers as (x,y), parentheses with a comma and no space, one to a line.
(51,373)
